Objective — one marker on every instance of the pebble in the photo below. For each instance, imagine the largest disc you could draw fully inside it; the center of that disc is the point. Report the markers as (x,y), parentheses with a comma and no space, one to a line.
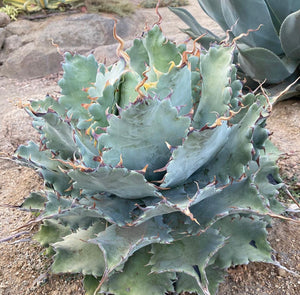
(282,272)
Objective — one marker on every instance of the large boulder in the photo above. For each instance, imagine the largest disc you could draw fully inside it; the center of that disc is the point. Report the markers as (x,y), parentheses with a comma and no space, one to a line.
(28,51)
(31,61)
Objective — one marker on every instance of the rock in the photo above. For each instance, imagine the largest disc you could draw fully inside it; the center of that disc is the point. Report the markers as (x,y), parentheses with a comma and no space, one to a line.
(282,272)
(31,61)
(28,52)
(2,37)
(12,43)
(21,27)
(107,54)
(83,32)
(4,19)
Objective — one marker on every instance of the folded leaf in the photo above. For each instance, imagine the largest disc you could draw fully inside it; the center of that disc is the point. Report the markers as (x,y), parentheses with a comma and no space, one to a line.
(289,36)
(257,62)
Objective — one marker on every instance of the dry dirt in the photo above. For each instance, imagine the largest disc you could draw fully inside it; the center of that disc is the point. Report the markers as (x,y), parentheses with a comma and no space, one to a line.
(24,268)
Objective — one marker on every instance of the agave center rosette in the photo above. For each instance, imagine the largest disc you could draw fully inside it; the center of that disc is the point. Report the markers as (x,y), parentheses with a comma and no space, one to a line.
(155,169)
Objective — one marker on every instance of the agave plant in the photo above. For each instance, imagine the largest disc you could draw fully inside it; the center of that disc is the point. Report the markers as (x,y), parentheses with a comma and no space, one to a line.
(163,3)
(37,5)
(157,177)
(271,48)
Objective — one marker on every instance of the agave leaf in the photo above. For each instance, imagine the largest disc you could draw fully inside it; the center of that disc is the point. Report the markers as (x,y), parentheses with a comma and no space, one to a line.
(87,149)
(58,135)
(201,147)
(274,16)
(223,165)
(259,137)
(155,51)
(190,255)
(136,278)
(257,62)
(215,67)
(42,106)
(76,255)
(106,78)
(140,136)
(247,241)
(178,199)
(187,283)
(268,182)
(73,218)
(194,26)
(179,88)
(281,9)
(98,110)
(276,94)
(205,42)
(55,204)
(138,56)
(272,151)
(266,36)
(79,73)
(111,208)
(196,88)
(48,167)
(58,181)
(238,197)
(90,284)
(35,201)
(215,276)
(289,36)
(213,8)
(36,158)
(119,243)
(127,90)
(161,52)
(236,88)
(119,181)
(50,232)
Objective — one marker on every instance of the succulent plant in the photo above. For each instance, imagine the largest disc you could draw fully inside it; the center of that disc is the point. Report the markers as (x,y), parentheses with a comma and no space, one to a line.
(156,169)
(163,3)
(266,33)
(37,5)
(11,11)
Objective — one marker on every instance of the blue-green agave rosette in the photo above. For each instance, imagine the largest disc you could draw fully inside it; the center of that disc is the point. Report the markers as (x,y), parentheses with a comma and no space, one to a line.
(155,168)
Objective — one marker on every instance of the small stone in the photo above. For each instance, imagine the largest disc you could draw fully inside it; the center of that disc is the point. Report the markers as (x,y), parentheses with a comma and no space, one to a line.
(4,19)
(282,272)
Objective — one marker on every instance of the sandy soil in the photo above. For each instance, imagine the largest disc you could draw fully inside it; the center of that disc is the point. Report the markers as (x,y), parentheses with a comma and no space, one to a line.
(24,268)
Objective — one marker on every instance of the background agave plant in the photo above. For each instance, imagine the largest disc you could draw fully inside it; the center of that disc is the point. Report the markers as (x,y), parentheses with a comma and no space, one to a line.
(37,5)
(157,177)
(271,52)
